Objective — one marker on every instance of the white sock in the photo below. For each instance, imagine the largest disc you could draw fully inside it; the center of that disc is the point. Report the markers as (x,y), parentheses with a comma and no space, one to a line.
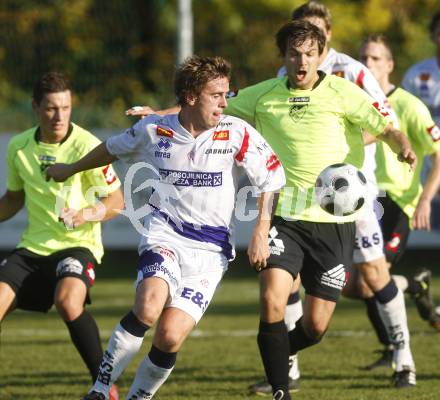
(401,282)
(294,367)
(292,314)
(121,348)
(393,315)
(149,378)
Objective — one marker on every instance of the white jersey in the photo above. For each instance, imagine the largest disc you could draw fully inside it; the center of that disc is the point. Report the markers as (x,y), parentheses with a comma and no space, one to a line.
(342,65)
(423,81)
(195,179)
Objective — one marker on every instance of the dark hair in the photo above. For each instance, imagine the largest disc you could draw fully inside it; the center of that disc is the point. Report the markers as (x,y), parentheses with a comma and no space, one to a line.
(297,32)
(313,9)
(50,82)
(195,72)
(379,38)
(434,22)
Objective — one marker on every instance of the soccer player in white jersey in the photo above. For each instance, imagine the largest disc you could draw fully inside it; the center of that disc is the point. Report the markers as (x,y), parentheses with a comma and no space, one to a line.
(368,254)
(193,160)
(423,78)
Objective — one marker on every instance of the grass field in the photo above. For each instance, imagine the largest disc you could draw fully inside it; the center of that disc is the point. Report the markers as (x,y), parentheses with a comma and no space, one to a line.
(220,359)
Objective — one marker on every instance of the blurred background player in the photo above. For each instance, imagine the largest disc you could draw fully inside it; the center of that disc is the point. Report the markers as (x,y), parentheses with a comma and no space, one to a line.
(304,239)
(184,251)
(55,260)
(407,204)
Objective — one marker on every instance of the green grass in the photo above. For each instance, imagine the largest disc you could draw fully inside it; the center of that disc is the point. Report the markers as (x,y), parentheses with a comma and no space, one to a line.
(38,361)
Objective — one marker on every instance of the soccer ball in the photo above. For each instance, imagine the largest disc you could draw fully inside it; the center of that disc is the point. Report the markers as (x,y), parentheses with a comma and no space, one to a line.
(341,189)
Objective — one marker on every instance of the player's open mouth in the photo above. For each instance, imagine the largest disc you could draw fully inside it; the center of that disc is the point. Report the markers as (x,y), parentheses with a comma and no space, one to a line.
(300,75)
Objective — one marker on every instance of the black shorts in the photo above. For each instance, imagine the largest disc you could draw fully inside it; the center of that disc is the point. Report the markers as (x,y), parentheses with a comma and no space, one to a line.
(321,252)
(33,277)
(395,229)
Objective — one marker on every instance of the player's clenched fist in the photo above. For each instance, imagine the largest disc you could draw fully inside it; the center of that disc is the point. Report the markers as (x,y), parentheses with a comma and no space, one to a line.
(59,172)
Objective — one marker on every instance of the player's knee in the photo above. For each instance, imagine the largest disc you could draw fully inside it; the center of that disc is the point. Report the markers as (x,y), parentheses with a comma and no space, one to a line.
(69,308)
(315,329)
(272,306)
(147,314)
(170,339)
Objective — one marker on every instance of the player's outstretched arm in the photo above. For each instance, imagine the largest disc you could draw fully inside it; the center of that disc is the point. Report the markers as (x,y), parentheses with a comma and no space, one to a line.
(10,204)
(98,157)
(422,215)
(144,111)
(400,144)
(258,249)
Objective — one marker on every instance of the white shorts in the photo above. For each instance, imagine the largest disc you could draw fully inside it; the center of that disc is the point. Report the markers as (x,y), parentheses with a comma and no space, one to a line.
(369,241)
(192,275)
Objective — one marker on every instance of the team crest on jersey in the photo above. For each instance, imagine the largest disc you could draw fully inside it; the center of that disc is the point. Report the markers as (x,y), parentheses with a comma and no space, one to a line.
(220,135)
(109,174)
(434,131)
(297,111)
(46,162)
(164,132)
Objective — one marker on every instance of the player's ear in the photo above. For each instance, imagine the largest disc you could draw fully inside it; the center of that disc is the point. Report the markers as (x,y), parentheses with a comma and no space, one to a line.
(191,99)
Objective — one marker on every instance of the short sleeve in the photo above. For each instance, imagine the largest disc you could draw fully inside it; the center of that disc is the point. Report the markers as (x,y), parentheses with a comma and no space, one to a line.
(14,181)
(259,161)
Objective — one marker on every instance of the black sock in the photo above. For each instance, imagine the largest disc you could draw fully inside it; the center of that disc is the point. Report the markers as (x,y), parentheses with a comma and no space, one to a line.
(298,338)
(132,325)
(274,349)
(161,358)
(376,321)
(413,287)
(85,336)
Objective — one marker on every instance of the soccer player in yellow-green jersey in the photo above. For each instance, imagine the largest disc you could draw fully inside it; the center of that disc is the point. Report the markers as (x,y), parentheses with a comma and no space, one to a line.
(407,204)
(311,120)
(55,259)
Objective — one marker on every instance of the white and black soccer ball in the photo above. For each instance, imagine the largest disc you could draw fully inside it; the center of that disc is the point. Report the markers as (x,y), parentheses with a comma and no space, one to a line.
(341,189)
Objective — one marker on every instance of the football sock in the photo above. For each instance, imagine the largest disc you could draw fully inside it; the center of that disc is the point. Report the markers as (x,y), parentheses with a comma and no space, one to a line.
(274,349)
(152,372)
(85,336)
(401,282)
(391,305)
(294,310)
(125,342)
(298,338)
(376,321)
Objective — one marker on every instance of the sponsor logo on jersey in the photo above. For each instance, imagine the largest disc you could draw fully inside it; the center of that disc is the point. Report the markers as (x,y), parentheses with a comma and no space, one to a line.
(221,123)
(109,174)
(163,145)
(262,146)
(218,151)
(393,244)
(69,265)
(341,74)
(221,135)
(381,109)
(276,246)
(335,278)
(164,132)
(299,100)
(425,76)
(191,178)
(272,163)
(434,131)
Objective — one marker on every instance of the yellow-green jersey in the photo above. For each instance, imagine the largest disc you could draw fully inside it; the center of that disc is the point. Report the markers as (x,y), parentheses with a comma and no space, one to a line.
(403,185)
(27,160)
(309,130)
